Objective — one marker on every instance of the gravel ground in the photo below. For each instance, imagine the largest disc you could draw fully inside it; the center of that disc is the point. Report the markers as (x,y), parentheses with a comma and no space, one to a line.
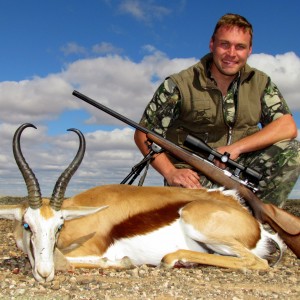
(144,282)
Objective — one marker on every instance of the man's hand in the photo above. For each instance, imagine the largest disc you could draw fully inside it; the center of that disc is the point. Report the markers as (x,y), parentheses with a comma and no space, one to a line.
(183,178)
(175,177)
(234,154)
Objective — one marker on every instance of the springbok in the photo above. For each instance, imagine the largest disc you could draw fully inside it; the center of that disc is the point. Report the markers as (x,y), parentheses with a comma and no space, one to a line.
(136,225)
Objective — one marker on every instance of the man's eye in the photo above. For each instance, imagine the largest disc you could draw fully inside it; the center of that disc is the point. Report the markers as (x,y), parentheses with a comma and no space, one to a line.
(224,45)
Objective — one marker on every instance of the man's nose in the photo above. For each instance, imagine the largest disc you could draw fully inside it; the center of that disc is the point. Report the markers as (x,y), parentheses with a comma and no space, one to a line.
(231,50)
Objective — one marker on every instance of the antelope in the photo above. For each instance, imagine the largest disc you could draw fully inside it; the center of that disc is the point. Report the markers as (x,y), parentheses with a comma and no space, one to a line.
(122,226)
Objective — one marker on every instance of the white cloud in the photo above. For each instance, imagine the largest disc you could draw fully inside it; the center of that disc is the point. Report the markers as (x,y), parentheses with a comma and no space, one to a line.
(120,83)
(35,100)
(117,82)
(73,48)
(143,10)
(104,48)
(284,70)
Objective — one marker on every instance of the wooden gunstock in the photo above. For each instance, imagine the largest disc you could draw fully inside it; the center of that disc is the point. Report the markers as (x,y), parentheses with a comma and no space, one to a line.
(282,222)
(285,224)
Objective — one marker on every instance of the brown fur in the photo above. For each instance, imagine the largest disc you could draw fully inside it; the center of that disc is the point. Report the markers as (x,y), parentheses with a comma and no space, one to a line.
(46,210)
(151,207)
(219,219)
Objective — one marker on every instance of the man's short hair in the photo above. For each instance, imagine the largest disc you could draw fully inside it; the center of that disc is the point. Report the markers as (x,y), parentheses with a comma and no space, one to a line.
(234,20)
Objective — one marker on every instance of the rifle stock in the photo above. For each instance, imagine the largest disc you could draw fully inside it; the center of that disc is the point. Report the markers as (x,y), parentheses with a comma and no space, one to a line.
(282,222)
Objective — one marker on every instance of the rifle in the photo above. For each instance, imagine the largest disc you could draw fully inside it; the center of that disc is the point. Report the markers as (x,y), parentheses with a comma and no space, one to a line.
(282,222)
(250,176)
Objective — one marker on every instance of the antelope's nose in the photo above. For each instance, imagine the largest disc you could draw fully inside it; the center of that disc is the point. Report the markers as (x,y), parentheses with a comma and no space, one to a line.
(45,270)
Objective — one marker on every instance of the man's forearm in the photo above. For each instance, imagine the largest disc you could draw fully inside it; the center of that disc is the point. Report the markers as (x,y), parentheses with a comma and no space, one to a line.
(280,129)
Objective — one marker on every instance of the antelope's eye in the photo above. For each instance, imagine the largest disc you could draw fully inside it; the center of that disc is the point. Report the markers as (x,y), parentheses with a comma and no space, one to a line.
(26,226)
(60,227)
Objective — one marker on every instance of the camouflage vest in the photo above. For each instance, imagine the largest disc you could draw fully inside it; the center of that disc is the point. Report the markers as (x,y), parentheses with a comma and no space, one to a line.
(201,112)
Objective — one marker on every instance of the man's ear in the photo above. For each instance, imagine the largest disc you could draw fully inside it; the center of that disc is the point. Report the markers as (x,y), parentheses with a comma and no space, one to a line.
(250,51)
(211,44)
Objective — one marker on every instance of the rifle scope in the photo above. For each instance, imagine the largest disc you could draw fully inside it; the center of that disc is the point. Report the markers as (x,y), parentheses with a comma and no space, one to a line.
(199,145)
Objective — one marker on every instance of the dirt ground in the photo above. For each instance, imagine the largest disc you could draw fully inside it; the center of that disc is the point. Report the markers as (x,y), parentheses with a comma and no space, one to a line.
(144,282)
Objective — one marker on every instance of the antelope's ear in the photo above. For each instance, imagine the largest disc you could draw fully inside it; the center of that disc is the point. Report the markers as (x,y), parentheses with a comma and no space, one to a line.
(80,211)
(11,212)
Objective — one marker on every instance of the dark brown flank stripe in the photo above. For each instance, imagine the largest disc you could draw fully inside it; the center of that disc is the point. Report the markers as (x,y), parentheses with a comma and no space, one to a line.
(146,222)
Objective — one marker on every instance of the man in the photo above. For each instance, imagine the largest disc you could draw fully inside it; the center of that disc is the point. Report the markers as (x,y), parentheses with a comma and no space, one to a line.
(234,108)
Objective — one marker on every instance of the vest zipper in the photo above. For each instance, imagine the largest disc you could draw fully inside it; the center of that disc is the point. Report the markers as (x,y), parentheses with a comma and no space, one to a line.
(229,137)
(229,133)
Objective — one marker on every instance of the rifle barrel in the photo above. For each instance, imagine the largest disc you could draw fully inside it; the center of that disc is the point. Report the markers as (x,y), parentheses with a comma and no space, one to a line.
(110,111)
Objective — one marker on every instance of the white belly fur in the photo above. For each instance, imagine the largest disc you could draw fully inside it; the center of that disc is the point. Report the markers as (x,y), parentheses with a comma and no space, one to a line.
(150,248)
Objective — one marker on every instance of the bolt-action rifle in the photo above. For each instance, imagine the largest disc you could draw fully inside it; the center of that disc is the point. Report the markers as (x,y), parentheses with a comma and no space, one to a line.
(282,222)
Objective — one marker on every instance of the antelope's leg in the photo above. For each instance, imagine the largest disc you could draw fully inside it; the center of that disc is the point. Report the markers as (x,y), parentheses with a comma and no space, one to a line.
(99,262)
(246,261)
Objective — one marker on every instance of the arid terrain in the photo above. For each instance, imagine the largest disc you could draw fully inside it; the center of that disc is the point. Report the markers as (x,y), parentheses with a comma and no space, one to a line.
(145,282)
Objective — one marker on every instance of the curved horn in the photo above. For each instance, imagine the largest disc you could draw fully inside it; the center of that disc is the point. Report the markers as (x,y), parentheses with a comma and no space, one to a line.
(62,182)
(33,187)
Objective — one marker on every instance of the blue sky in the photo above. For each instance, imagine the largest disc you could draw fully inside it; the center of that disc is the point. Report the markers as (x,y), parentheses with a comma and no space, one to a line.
(36,34)
(116,52)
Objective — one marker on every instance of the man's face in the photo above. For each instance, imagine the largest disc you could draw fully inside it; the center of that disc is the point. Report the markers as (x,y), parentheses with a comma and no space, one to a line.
(231,48)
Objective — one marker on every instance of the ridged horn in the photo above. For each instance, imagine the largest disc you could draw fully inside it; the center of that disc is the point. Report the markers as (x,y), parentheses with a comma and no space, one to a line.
(62,182)
(32,184)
